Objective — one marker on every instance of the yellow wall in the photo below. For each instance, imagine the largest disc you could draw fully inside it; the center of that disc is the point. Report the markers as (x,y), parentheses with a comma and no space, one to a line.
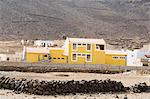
(116,62)
(57,56)
(98,57)
(35,57)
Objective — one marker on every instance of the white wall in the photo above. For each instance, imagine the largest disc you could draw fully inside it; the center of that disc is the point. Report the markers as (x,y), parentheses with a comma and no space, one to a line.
(42,43)
(17,57)
(134,57)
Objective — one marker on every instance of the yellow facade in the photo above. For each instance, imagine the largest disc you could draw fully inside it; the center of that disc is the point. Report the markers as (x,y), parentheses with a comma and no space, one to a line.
(36,57)
(116,59)
(79,51)
(56,56)
(97,57)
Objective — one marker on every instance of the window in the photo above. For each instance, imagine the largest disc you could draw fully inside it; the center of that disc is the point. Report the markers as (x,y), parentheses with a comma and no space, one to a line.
(74,57)
(79,54)
(122,57)
(7,58)
(84,44)
(74,46)
(100,47)
(45,55)
(58,58)
(54,58)
(115,57)
(62,58)
(88,46)
(79,44)
(83,54)
(49,58)
(44,45)
(88,57)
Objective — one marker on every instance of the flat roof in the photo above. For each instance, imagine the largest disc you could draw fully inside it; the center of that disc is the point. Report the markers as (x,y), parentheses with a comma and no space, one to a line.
(122,52)
(87,40)
(41,49)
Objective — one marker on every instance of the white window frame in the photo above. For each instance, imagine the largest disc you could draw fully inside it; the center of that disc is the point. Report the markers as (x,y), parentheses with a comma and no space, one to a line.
(122,57)
(76,47)
(116,58)
(90,49)
(72,57)
(90,57)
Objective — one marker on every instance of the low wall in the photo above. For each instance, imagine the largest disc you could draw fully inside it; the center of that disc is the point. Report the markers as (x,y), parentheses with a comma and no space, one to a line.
(47,67)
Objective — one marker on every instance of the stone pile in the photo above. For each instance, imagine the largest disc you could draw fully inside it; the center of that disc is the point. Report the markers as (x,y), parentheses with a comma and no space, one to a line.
(60,87)
(138,88)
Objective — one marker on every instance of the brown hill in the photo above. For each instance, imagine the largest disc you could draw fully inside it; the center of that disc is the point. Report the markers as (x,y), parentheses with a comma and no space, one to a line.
(120,22)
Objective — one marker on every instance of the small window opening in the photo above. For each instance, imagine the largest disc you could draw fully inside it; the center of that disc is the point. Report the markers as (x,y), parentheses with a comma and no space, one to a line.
(79,54)
(74,56)
(45,55)
(74,46)
(88,46)
(83,54)
(88,57)
(100,47)
(8,59)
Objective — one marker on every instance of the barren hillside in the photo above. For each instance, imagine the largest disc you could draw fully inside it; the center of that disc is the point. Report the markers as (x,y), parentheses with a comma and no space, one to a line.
(119,21)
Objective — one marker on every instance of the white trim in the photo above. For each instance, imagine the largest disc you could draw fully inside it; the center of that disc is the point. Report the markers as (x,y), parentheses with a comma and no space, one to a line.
(115,58)
(81,56)
(122,57)
(87,40)
(119,57)
(116,52)
(90,57)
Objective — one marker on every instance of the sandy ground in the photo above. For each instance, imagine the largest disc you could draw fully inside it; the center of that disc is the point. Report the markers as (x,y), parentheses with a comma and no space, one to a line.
(128,79)
(7,94)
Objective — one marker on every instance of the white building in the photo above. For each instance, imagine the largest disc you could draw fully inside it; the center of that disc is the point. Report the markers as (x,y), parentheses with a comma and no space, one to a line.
(43,43)
(134,57)
(11,57)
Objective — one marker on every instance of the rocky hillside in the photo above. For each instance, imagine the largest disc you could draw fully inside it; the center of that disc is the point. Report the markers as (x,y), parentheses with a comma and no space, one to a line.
(120,22)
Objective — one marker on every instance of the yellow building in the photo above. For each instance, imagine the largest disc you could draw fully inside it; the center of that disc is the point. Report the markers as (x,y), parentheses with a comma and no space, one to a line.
(117,58)
(42,54)
(33,54)
(85,51)
(56,56)
(78,51)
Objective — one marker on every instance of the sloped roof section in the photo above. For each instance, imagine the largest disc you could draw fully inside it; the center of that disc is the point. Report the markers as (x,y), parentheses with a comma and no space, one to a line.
(87,40)
(147,56)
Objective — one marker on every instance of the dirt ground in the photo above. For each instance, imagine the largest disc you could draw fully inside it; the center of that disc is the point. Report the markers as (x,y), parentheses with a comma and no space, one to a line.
(7,94)
(128,79)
